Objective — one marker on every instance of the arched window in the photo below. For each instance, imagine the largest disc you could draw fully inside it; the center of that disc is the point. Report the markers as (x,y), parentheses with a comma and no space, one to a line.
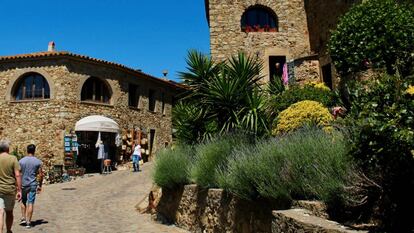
(259,19)
(31,86)
(95,90)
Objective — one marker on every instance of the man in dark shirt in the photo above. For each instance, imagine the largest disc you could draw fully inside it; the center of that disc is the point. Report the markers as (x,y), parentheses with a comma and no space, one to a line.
(31,167)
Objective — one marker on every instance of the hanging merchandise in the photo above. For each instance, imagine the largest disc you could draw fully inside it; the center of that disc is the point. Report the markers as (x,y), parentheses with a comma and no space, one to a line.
(118,140)
(285,76)
(71,149)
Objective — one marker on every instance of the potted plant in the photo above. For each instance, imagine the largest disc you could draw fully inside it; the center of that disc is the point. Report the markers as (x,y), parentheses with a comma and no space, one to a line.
(248,29)
(257,28)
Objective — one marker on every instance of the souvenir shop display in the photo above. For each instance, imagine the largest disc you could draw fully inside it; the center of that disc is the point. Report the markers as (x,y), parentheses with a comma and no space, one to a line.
(71,147)
(129,138)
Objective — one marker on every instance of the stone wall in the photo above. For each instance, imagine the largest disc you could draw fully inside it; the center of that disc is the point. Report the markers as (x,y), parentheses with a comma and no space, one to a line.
(213,210)
(44,122)
(304,27)
(227,38)
(307,70)
(322,17)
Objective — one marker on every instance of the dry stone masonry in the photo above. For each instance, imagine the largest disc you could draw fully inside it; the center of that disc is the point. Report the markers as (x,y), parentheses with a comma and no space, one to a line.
(45,121)
(301,36)
(215,211)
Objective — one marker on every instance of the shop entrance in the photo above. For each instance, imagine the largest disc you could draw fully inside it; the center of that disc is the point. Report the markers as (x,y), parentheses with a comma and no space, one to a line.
(88,153)
(89,131)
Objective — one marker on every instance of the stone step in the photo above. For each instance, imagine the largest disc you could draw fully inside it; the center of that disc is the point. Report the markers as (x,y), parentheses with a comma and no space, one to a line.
(302,221)
(317,208)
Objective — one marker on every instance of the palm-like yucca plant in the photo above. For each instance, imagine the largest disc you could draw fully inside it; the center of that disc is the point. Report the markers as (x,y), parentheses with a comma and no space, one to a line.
(221,96)
(228,93)
(276,86)
(246,70)
(192,123)
(255,116)
(200,69)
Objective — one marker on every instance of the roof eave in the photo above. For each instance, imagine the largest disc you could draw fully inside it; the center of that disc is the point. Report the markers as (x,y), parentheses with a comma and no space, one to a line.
(207,8)
(68,55)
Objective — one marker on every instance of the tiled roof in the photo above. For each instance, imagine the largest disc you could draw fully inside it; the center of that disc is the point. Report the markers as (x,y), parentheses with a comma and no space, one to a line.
(57,54)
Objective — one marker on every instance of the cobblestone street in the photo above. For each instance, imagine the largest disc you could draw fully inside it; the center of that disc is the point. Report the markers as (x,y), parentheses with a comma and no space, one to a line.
(100,204)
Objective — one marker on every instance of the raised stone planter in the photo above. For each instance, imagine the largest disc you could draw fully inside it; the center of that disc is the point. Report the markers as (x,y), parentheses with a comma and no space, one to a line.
(214,210)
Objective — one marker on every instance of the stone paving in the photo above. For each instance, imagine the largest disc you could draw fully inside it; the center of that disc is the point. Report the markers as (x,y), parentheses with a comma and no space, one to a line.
(101,204)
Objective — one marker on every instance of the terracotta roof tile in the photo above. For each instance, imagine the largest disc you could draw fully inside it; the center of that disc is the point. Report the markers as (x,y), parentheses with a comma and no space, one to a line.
(87,58)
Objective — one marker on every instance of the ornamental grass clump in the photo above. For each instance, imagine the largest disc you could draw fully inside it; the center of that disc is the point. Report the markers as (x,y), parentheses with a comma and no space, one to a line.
(319,161)
(172,167)
(307,164)
(302,114)
(235,177)
(210,156)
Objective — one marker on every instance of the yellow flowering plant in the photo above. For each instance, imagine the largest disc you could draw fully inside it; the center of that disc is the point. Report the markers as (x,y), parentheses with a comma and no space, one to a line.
(318,85)
(410,90)
(301,114)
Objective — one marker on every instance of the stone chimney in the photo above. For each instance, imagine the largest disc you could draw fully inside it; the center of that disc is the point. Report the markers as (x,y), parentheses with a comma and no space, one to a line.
(51,47)
(165,73)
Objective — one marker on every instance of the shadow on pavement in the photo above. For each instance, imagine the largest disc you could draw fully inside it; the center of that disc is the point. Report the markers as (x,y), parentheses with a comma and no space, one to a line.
(39,222)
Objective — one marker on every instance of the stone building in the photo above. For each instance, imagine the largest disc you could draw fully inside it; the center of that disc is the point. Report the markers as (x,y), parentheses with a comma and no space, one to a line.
(43,95)
(291,32)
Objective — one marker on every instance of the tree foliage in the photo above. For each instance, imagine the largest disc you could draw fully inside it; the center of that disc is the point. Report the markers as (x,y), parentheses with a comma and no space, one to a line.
(374,33)
(383,143)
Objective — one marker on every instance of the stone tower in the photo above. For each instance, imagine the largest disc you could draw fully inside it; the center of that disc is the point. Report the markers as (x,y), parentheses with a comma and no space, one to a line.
(279,32)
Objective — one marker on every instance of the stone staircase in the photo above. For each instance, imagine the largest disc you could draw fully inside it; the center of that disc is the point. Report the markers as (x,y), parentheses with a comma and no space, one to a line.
(307,216)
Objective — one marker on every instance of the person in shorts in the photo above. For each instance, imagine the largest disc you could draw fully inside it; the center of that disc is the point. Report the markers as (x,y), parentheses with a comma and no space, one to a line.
(10,185)
(31,170)
(136,156)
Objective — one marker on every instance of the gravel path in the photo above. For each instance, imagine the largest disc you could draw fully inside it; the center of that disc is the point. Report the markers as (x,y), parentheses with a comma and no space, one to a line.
(101,204)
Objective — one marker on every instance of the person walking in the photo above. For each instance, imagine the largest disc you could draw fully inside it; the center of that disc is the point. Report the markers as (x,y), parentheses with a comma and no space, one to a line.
(31,168)
(136,156)
(10,185)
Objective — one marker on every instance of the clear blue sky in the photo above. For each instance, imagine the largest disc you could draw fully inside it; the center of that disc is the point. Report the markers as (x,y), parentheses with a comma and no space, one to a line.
(148,35)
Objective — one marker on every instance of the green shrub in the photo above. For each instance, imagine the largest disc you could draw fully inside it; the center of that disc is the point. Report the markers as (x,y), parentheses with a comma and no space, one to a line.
(210,156)
(172,167)
(306,164)
(298,93)
(382,120)
(375,33)
(303,114)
